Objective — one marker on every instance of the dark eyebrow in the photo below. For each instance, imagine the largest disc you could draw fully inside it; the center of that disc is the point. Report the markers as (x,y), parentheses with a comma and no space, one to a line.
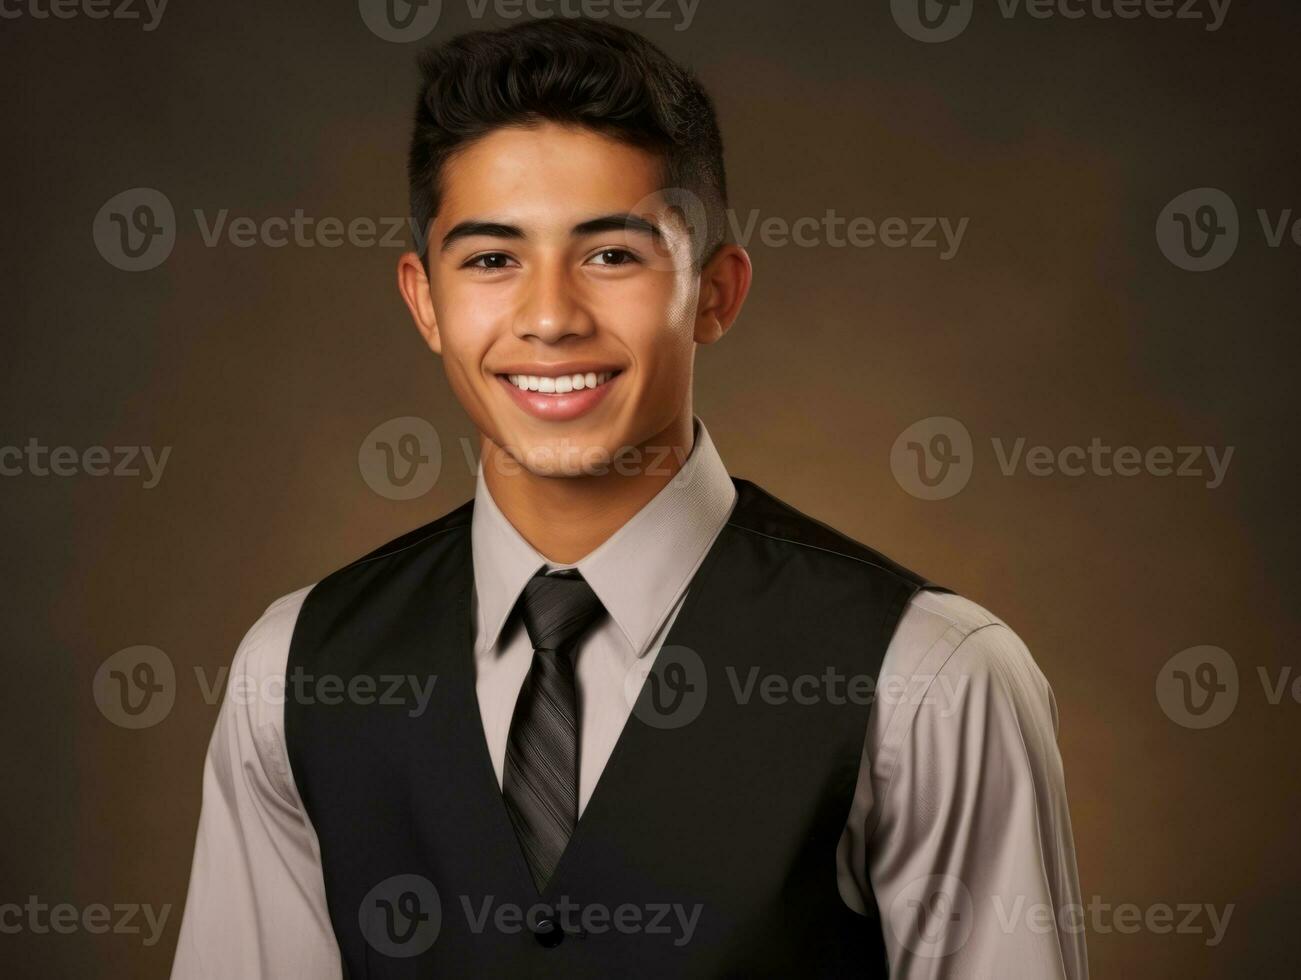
(491,229)
(494,229)
(618,222)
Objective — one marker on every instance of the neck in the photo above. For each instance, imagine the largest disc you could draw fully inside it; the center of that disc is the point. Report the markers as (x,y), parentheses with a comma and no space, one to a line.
(567,518)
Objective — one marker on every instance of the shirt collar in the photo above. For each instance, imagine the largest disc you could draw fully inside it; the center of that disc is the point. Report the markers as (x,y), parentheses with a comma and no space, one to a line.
(638,573)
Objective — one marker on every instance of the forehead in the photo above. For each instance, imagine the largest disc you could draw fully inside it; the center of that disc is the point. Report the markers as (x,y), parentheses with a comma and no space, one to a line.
(546,169)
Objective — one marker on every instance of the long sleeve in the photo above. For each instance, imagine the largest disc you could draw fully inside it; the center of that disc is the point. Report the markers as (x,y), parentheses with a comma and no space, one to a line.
(256,901)
(961,832)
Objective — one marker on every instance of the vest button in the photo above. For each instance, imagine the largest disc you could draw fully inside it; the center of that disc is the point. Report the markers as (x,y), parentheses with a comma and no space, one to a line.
(548,933)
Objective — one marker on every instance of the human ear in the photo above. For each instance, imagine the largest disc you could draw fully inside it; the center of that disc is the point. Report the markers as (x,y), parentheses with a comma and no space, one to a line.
(724,284)
(413,284)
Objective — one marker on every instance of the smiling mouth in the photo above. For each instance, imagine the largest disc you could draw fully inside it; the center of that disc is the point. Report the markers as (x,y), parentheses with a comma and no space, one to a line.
(560,384)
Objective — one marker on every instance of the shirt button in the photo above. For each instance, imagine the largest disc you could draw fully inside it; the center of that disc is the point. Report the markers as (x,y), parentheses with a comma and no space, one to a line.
(548,933)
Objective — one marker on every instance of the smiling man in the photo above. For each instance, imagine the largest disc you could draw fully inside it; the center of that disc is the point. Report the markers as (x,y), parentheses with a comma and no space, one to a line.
(565,294)
(648,720)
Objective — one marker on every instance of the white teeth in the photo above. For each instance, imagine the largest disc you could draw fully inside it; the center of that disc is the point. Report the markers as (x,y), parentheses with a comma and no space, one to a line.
(561,385)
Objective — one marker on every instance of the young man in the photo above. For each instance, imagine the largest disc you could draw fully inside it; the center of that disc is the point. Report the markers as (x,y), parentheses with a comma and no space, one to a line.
(629,728)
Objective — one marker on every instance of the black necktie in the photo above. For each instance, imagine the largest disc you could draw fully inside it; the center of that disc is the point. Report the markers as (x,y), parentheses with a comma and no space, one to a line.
(540,783)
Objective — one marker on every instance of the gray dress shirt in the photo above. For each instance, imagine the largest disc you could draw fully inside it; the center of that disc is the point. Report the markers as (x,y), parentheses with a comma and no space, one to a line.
(958,836)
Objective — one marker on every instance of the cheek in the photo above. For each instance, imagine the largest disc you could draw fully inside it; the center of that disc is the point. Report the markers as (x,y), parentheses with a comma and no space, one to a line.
(662,350)
(467,328)
(654,315)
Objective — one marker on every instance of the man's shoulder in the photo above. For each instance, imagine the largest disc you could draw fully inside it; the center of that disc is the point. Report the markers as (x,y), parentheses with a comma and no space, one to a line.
(266,644)
(951,638)
(428,536)
(760,512)
(948,611)
(423,544)
(264,651)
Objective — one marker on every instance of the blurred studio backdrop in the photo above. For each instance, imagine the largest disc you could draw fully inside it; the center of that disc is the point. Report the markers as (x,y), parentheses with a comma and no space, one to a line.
(1023,319)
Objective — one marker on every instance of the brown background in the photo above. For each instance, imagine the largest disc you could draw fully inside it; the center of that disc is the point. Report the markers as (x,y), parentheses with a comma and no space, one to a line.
(1059,320)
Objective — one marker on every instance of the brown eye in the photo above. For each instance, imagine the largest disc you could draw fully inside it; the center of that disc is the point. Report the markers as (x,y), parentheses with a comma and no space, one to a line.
(489,260)
(614,256)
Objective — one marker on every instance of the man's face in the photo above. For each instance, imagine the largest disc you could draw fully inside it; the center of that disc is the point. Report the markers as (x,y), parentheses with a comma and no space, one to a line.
(565,296)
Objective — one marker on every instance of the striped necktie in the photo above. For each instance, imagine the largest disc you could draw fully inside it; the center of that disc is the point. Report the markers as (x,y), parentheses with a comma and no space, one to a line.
(540,783)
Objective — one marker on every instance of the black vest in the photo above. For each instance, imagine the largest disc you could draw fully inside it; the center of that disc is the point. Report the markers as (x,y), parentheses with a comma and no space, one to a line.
(708,846)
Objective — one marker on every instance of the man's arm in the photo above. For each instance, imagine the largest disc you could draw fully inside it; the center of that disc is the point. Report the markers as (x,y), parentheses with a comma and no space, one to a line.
(256,903)
(966,831)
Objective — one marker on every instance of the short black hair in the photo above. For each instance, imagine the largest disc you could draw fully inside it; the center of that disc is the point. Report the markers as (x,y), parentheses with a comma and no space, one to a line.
(571,71)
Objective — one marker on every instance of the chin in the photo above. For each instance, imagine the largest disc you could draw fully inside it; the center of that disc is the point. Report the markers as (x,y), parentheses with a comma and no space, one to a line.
(562,455)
